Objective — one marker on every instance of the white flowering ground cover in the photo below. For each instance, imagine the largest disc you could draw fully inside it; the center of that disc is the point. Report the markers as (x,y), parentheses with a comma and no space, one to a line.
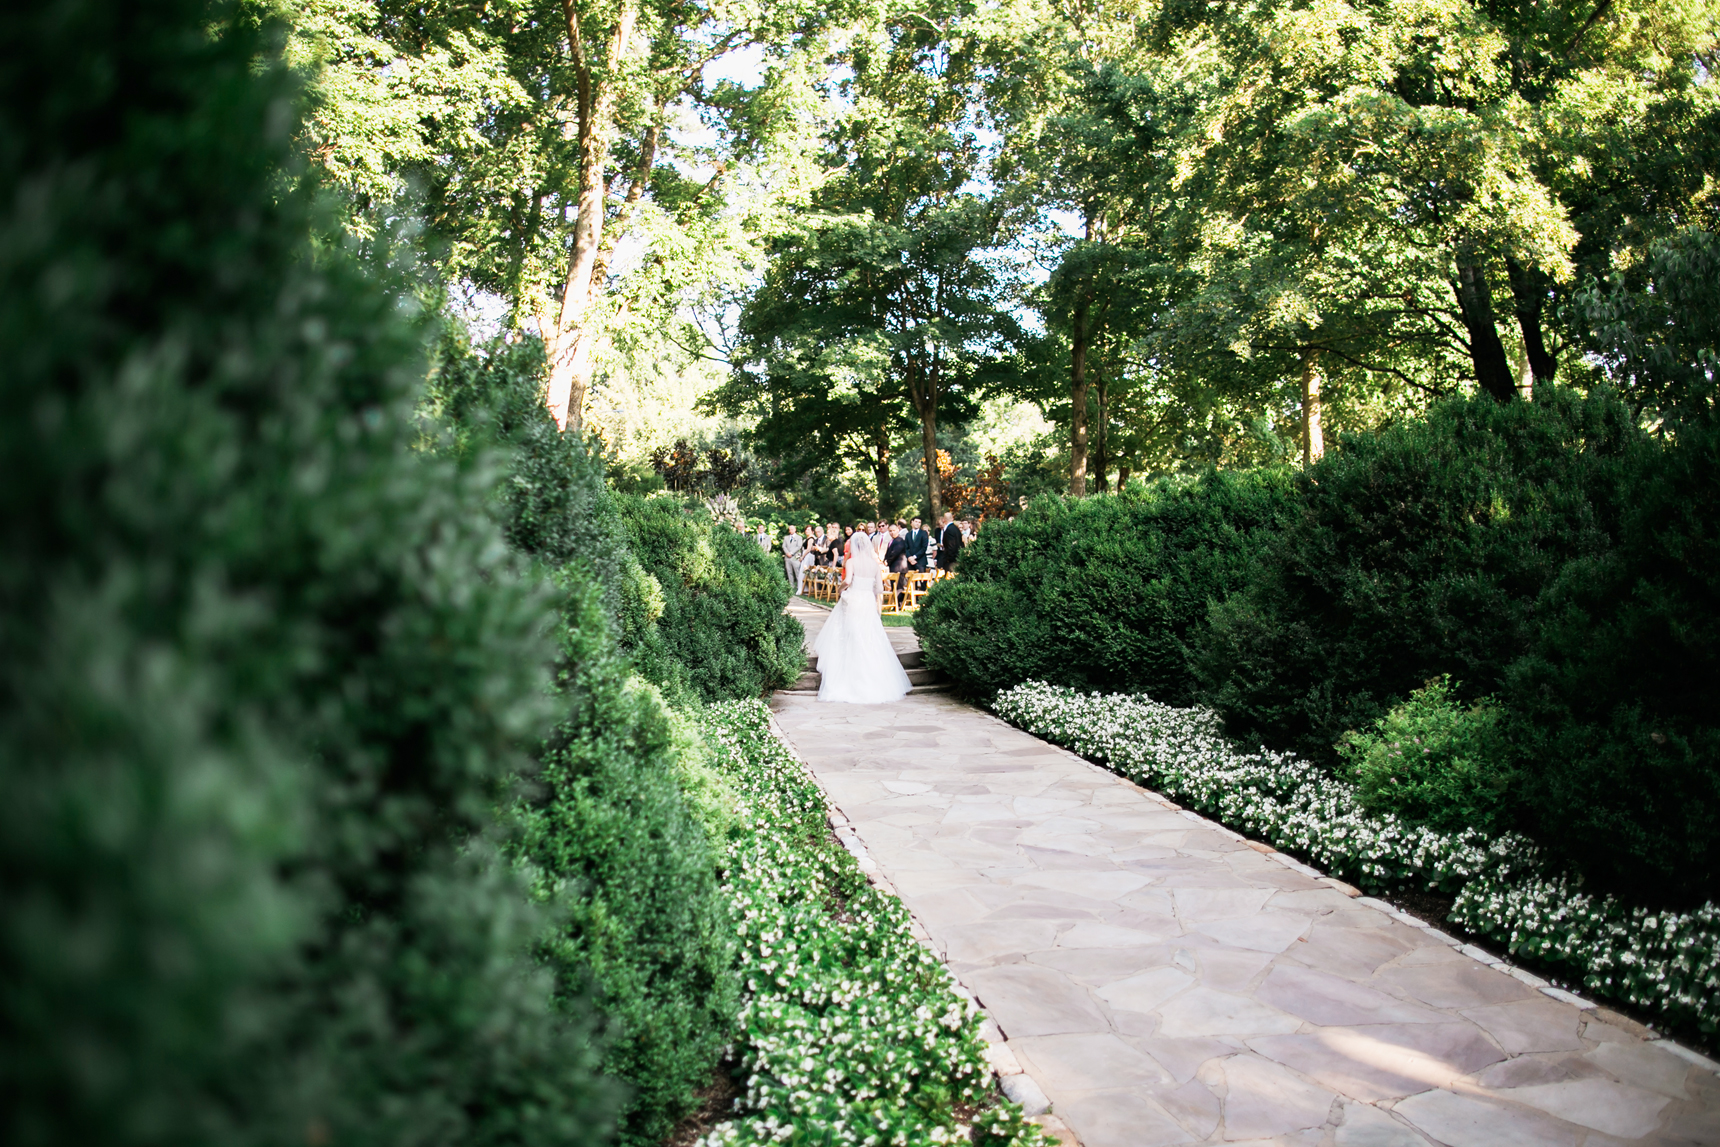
(1665,962)
(850,1030)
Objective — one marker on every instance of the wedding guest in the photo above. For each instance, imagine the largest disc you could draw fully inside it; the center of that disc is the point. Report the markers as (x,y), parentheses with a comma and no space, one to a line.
(949,543)
(918,540)
(896,558)
(880,541)
(793,547)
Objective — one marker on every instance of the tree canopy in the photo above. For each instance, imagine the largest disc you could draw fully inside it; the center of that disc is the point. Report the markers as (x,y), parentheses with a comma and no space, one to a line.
(1187,234)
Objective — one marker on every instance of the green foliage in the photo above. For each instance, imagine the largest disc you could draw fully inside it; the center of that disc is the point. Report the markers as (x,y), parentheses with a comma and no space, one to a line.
(1617,704)
(851,1032)
(1432,761)
(1100,593)
(1657,327)
(648,934)
(1548,553)
(265,669)
(722,633)
(1414,552)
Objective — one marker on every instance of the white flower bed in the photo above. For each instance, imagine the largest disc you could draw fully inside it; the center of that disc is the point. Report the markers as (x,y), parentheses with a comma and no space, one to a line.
(1666,962)
(850,1030)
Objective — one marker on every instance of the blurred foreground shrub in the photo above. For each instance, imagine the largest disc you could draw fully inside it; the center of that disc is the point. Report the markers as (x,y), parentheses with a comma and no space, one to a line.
(266,670)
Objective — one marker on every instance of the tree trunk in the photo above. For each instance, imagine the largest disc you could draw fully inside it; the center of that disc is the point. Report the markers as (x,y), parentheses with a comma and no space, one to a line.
(881,468)
(923,393)
(572,337)
(1529,294)
(1101,450)
(1078,401)
(1313,437)
(929,444)
(1486,352)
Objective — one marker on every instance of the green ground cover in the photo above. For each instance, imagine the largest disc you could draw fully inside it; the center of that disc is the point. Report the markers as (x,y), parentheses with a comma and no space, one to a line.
(850,1032)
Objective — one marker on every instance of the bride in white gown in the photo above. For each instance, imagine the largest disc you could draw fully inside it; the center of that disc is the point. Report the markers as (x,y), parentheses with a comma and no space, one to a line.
(855,660)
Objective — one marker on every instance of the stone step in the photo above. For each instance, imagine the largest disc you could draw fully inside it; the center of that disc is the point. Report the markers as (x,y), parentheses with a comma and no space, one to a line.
(920,679)
(910,659)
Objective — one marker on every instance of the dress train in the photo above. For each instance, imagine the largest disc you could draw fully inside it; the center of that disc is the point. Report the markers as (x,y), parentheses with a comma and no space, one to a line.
(856,662)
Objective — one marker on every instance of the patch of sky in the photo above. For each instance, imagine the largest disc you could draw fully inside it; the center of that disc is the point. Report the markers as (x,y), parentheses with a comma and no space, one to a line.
(483,313)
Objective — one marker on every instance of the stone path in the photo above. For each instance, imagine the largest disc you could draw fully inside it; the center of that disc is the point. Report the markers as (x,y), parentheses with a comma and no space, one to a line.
(1164,982)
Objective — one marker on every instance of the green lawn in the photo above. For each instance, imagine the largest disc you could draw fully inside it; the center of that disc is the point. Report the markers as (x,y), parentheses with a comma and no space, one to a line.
(898,619)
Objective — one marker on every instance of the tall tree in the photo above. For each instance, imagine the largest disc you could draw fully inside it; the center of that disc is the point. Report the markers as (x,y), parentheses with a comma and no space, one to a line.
(895,289)
(1415,143)
(556,140)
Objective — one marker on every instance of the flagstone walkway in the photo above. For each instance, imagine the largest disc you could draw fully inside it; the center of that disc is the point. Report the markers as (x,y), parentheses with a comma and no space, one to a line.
(1162,981)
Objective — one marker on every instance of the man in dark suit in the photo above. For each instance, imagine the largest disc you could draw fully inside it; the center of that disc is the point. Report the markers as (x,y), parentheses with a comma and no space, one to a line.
(918,540)
(896,553)
(949,542)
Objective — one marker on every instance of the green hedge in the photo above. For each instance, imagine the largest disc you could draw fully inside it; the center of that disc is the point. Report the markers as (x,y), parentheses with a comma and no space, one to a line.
(265,668)
(648,934)
(1101,593)
(708,622)
(1416,551)
(1548,554)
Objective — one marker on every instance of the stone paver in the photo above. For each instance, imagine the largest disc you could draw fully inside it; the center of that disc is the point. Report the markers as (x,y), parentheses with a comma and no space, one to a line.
(1164,983)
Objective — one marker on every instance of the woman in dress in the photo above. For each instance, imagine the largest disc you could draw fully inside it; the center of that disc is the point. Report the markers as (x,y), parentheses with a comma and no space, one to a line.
(856,662)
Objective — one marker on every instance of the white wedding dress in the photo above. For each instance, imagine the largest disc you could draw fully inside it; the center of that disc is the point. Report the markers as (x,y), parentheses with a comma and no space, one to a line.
(856,663)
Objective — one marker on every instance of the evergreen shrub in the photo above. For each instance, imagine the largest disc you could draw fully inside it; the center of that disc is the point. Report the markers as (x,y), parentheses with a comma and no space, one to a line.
(1615,709)
(1548,553)
(1415,551)
(1101,593)
(1432,761)
(720,632)
(648,934)
(266,670)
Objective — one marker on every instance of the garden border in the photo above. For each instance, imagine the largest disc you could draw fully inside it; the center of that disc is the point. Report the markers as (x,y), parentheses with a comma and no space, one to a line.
(1645,1032)
(1008,1076)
